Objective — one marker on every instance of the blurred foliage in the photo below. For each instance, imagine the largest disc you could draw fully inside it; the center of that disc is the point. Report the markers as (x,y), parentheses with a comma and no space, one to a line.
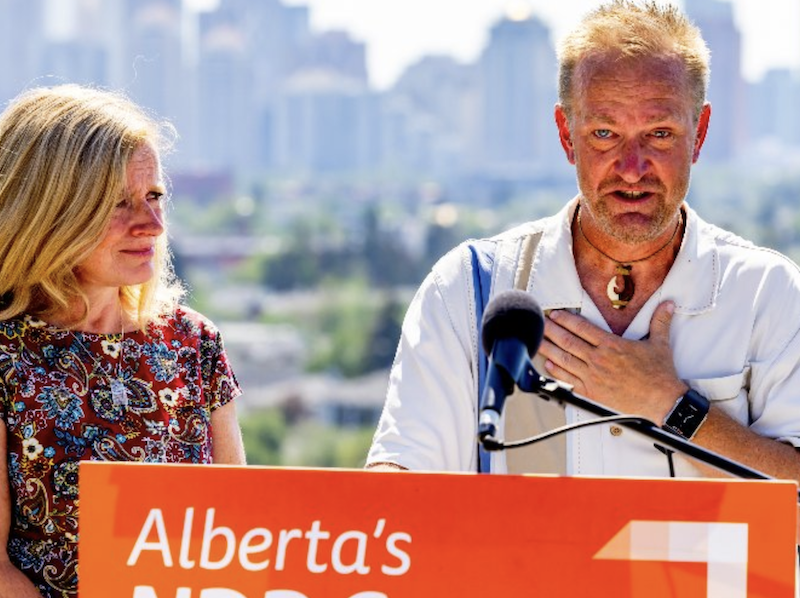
(314,444)
(342,260)
(357,329)
(270,440)
(264,432)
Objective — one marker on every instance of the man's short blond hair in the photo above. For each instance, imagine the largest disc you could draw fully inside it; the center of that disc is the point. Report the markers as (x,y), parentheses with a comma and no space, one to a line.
(630,30)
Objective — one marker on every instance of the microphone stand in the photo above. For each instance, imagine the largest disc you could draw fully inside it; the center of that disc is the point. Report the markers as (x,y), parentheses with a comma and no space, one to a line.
(550,389)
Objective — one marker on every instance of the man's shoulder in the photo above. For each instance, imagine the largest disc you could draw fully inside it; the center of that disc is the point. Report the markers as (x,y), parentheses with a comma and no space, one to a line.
(735,247)
(746,260)
(528,228)
(460,256)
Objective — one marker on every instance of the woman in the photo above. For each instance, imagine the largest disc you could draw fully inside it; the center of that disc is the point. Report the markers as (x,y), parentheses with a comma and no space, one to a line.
(97,358)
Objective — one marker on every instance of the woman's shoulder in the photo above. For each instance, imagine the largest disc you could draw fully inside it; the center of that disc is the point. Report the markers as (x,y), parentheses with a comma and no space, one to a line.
(186,321)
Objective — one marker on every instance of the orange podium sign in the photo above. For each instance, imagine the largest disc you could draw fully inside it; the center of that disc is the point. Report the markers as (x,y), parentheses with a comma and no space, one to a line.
(188,531)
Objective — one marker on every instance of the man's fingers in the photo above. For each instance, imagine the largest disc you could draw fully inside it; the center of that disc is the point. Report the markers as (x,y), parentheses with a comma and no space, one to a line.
(661,322)
(568,343)
(563,360)
(577,325)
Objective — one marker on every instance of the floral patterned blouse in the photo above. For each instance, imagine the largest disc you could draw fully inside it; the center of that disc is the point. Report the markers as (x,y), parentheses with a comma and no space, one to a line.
(57,403)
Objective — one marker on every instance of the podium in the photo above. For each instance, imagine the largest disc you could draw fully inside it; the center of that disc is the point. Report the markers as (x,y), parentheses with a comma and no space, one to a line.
(188,531)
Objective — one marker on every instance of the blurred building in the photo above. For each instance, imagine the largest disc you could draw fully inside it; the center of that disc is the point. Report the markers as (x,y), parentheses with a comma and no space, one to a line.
(772,108)
(430,118)
(518,91)
(21,41)
(153,68)
(727,91)
(226,129)
(254,91)
(322,124)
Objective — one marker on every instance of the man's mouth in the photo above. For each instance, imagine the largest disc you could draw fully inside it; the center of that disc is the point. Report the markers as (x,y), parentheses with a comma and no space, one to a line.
(632,195)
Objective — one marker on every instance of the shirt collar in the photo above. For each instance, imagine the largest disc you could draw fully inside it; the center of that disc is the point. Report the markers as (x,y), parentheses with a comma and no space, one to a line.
(692,282)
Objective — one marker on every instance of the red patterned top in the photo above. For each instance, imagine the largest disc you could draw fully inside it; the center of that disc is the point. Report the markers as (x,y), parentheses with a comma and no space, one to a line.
(57,403)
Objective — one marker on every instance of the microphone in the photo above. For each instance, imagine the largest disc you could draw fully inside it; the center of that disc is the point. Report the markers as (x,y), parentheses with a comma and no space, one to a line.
(511,332)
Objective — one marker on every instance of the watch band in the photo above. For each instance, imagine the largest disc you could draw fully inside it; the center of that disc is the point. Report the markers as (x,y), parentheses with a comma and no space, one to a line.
(687,415)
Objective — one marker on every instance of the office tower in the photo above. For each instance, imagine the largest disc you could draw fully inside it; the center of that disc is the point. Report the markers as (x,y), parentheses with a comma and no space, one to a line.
(772,109)
(153,61)
(727,90)
(430,118)
(21,36)
(336,51)
(225,99)
(518,92)
(322,124)
(76,49)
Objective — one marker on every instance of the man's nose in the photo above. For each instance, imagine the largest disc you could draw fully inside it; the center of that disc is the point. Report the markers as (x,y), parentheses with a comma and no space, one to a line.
(634,161)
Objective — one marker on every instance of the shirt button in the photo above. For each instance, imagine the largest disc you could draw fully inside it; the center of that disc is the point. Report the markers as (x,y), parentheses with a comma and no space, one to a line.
(616,431)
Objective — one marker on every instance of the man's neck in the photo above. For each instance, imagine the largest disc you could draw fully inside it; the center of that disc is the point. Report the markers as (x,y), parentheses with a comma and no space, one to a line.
(599,278)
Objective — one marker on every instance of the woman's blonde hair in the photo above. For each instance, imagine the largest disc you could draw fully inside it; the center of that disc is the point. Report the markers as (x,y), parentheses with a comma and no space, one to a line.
(64,153)
(631,29)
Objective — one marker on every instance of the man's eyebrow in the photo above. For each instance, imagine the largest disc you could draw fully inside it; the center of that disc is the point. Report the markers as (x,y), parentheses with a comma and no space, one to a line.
(605,119)
(602,119)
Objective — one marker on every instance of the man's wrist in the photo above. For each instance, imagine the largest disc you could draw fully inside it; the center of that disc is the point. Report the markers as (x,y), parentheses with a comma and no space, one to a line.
(687,415)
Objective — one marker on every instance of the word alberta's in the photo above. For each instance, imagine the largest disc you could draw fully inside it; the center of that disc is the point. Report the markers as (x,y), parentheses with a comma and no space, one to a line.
(259,549)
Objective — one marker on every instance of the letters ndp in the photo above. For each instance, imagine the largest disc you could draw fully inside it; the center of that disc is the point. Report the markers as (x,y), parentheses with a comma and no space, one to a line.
(178,531)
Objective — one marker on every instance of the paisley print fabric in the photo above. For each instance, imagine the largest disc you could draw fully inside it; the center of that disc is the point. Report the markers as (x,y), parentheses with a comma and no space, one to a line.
(57,404)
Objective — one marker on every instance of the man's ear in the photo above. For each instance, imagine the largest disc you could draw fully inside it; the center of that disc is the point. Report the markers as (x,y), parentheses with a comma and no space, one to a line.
(564,134)
(702,129)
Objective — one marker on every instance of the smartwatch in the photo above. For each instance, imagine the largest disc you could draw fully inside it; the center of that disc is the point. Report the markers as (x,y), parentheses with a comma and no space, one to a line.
(687,415)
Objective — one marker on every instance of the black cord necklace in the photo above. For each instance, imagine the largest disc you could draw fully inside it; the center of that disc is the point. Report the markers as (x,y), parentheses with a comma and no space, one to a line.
(621,296)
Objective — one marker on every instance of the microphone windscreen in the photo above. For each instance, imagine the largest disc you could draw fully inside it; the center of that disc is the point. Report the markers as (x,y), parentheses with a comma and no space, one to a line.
(513,314)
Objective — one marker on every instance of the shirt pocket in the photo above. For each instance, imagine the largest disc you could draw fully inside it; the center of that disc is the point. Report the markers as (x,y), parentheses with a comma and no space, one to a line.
(729,393)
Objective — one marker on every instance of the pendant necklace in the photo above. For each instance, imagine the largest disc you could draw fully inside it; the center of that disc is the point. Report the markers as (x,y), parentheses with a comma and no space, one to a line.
(119,393)
(620,288)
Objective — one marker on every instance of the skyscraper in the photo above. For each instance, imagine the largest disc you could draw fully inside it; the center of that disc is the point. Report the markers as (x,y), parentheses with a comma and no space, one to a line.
(518,92)
(20,44)
(225,99)
(322,124)
(431,117)
(727,91)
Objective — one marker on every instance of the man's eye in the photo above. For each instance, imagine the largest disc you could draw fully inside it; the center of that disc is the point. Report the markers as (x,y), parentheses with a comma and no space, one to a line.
(603,133)
(662,134)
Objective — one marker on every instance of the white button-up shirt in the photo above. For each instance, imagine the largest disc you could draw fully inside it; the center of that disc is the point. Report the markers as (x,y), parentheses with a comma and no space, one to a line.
(734,337)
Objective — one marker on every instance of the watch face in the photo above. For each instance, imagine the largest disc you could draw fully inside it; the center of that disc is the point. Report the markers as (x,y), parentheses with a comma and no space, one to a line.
(688,414)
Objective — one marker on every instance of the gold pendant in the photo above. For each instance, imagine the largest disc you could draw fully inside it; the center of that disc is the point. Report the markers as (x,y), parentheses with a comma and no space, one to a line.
(620,297)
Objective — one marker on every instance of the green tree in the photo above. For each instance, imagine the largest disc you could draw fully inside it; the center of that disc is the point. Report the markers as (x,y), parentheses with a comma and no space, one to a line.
(382,341)
(264,432)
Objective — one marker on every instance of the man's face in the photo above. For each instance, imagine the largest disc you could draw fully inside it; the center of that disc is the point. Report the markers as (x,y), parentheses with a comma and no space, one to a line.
(633,137)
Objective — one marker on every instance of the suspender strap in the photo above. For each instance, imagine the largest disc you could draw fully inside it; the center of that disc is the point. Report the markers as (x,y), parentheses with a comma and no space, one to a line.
(482,254)
(483,265)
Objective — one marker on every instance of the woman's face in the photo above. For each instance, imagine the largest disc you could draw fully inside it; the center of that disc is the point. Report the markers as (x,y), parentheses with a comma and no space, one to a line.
(126,254)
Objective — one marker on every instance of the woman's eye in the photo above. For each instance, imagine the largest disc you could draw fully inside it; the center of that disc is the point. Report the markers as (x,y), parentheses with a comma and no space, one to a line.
(154,196)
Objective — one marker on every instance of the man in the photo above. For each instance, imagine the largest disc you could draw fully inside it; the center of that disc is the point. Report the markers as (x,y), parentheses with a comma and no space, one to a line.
(650,310)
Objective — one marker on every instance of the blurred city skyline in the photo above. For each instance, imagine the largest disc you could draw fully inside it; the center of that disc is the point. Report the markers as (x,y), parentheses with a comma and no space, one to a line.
(257,90)
(398,33)
(384,26)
